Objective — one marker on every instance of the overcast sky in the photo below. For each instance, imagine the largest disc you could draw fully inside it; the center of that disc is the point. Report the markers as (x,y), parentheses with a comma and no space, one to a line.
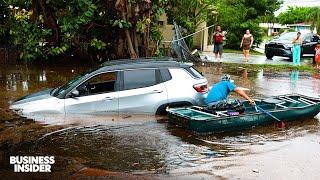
(299,3)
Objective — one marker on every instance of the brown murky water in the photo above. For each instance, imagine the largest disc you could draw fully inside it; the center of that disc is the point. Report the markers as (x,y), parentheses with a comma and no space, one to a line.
(148,147)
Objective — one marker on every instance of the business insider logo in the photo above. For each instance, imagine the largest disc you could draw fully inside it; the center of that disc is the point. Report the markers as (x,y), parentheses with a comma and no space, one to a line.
(32,163)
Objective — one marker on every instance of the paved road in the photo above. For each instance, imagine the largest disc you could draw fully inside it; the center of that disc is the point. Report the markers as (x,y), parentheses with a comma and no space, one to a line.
(254,59)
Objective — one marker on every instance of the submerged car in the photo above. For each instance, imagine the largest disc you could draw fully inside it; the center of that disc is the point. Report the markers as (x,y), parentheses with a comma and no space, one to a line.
(123,86)
(281,45)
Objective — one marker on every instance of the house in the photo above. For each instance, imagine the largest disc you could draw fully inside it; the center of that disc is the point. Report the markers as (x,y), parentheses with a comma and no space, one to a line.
(274,28)
(302,27)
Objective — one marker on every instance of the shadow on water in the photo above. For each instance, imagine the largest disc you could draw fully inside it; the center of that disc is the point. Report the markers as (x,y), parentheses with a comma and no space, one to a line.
(148,145)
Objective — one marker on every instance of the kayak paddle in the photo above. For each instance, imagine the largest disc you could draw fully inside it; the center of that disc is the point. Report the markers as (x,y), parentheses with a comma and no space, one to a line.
(280,124)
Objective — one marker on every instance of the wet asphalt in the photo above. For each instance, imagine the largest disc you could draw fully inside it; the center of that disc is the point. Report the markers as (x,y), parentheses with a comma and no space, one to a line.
(254,59)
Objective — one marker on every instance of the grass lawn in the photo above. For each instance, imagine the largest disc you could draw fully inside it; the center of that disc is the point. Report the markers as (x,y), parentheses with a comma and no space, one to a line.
(272,67)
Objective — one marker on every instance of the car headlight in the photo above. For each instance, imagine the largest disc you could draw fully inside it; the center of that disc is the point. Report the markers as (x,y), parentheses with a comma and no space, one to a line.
(288,46)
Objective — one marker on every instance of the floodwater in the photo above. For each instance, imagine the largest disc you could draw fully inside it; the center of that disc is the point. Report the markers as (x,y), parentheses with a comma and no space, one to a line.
(147,146)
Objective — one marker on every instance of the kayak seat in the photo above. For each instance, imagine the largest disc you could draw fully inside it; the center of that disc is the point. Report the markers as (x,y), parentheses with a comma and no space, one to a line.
(273,101)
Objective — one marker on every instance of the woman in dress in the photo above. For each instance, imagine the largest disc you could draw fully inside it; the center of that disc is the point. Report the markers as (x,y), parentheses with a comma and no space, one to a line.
(246,44)
(296,49)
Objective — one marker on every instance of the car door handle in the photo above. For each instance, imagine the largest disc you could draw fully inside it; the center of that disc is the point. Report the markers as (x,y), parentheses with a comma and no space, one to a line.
(156,91)
(108,98)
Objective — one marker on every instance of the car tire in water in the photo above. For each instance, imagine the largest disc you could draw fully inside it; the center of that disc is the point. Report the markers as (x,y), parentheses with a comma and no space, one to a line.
(162,109)
(269,56)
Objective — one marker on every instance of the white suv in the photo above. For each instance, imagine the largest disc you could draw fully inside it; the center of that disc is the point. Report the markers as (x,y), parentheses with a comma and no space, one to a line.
(124,86)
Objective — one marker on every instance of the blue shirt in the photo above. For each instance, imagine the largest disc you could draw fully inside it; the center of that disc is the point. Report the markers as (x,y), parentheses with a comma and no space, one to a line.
(220,91)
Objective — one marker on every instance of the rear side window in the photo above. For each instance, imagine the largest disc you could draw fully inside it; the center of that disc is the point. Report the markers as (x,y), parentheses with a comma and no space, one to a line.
(307,38)
(194,72)
(139,78)
(165,75)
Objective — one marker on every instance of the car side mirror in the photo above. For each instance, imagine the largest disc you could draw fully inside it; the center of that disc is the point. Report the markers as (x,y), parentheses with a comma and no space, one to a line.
(74,93)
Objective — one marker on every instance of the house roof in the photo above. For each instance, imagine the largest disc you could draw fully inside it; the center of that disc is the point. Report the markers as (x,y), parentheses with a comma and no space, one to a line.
(299,24)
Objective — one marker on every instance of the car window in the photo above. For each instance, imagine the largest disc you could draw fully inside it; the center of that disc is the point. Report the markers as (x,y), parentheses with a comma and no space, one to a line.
(194,72)
(165,75)
(101,83)
(139,78)
(307,38)
(287,36)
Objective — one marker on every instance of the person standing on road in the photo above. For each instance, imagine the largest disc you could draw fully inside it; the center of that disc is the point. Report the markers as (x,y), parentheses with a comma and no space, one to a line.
(296,49)
(317,55)
(246,44)
(218,37)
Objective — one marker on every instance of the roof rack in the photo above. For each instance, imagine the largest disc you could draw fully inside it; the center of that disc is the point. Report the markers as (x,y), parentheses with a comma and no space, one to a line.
(139,60)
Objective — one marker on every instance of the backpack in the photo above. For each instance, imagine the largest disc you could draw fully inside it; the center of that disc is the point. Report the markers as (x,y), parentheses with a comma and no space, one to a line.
(218,39)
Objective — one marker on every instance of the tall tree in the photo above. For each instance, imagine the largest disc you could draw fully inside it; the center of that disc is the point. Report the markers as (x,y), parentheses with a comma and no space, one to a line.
(191,13)
(235,16)
(99,29)
(294,15)
(314,18)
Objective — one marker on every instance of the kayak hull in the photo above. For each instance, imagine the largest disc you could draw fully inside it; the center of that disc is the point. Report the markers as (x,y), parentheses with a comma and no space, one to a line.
(202,122)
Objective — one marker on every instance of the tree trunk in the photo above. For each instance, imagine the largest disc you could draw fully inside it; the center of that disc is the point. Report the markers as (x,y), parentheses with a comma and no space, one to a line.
(34,15)
(120,6)
(120,47)
(145,44)
(135,40)
(147,41)
(50,20)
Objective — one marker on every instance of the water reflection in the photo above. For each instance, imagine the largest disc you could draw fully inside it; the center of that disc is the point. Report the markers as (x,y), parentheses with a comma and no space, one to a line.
(42,76)
(294,76)
(11,83)
(315,83)
(25,86)
(260,74)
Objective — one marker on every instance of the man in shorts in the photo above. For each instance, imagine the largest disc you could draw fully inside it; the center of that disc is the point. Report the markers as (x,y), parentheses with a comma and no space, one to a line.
(218,37)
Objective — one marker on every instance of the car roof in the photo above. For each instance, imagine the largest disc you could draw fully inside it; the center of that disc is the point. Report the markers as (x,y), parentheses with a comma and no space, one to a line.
(142,63)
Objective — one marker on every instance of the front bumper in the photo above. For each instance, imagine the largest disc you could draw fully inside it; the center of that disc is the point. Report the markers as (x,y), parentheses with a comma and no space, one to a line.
(278,52)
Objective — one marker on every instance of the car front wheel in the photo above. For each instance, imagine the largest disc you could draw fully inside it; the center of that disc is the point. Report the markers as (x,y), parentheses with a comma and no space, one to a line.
(269,56)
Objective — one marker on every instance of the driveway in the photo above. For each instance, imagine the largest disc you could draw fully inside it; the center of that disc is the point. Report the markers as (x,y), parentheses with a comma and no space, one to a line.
(254,59)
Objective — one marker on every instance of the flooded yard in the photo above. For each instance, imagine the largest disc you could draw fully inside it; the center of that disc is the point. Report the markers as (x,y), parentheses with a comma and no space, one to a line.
(147,146)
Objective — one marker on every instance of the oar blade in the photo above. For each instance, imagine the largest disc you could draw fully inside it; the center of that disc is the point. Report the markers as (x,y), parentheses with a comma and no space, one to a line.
(280,124)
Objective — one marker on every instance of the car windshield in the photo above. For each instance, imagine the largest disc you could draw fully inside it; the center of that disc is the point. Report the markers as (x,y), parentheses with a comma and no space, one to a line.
(288,36)
(60,90)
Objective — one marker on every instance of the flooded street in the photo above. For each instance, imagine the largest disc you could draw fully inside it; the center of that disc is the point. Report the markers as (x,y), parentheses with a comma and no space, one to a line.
(147,146)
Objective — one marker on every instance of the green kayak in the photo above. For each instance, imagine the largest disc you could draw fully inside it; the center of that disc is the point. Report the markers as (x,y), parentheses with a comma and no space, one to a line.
(274,109)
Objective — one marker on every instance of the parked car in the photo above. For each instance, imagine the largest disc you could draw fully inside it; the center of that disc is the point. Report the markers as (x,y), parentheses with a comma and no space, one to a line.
(134,86)
(281,45)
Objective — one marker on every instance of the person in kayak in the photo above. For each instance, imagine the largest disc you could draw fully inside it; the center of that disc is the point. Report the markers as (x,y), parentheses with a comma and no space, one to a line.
(220,91)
